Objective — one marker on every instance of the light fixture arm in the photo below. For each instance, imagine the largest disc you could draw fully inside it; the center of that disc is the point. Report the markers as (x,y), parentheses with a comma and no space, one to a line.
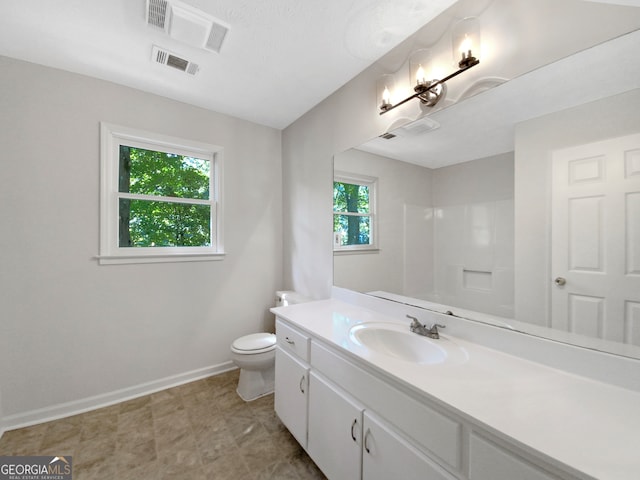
(422,93)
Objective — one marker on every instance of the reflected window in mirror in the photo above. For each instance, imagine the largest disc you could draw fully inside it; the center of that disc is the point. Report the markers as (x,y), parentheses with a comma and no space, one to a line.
(354,212)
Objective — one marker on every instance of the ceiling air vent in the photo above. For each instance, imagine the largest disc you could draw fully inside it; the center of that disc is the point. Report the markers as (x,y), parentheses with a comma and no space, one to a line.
(387,136)
(186,24)
(216,37)
(164,57)
(157,13)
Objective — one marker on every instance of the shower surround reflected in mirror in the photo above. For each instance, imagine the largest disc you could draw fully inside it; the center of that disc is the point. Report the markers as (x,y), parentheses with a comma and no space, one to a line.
(446,234)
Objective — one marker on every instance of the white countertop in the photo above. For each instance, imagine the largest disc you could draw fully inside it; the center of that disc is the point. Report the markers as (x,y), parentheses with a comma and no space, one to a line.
(589,426)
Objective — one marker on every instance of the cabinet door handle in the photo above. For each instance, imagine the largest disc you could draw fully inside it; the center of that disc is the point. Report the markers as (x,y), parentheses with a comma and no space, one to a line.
(289,341)
(366,441)
(353,426)
(302,384)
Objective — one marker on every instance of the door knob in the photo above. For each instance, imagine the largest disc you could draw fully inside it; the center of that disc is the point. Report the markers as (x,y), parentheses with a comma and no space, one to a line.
(560,281)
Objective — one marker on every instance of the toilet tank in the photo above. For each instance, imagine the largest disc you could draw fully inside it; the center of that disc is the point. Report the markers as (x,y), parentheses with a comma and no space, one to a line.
(289,297)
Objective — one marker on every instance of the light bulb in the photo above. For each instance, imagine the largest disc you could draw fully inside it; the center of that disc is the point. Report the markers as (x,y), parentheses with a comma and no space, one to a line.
(420,77)
(386,96)
(384,88)
(420,62)
(466,42)
(466,45)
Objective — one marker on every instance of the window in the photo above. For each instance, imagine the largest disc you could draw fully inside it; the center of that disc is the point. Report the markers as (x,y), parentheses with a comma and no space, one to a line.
(353,212)
(160,198)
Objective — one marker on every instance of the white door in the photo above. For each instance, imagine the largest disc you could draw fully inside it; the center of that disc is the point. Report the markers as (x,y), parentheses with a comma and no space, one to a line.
(596,239)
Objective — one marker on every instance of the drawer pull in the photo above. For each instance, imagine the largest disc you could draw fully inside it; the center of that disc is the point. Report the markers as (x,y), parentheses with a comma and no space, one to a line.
(289,341)
(353,426)
(302,384)
(366,441)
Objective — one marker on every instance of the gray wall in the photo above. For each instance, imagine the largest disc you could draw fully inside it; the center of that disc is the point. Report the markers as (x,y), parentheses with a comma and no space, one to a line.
(403,262)
(72,329)
(346,118)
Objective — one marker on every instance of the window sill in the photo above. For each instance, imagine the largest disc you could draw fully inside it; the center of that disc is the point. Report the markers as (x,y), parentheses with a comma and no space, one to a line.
(356,251)
(173,258)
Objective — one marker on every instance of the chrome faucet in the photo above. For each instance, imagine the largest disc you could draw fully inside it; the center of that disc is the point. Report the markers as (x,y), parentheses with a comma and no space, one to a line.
(420,329)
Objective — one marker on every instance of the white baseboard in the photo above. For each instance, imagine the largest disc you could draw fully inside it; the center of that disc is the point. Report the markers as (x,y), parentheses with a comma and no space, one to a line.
(75,407)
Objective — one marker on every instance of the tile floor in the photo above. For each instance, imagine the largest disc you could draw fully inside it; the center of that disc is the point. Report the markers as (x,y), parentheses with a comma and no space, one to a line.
(200,430)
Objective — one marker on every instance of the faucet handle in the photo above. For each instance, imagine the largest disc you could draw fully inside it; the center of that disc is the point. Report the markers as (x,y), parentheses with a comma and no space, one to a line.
(415,324)
(433,331)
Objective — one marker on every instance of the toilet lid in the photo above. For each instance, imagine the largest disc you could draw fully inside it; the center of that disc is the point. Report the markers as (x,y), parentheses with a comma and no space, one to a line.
(255,341)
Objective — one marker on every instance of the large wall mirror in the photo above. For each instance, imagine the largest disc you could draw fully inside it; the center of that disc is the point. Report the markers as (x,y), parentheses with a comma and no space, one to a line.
(538,228)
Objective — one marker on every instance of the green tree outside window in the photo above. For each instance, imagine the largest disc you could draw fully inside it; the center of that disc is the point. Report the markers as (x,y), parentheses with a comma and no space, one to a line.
(172,220)
(351,213)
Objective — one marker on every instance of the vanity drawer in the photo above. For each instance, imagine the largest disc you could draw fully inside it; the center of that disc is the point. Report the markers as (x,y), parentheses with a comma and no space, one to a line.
(429,429)
(292,340)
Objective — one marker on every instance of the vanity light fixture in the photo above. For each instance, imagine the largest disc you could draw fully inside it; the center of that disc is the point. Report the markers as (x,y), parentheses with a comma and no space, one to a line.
(466,44)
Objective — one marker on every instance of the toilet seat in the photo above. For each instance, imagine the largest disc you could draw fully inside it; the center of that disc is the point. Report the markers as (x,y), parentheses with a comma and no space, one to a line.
(254,343)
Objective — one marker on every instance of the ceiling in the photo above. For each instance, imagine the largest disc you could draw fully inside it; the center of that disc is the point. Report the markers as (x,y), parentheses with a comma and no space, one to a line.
(279,58)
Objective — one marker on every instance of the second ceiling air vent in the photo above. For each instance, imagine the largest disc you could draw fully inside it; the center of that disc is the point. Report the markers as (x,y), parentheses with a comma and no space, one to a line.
(186,24)
(165,57)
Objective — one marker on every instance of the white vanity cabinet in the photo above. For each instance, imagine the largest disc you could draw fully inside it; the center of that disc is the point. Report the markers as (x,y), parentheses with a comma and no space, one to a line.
(432,432)
(359,423)
(334,427)
(292,380)
(349,442)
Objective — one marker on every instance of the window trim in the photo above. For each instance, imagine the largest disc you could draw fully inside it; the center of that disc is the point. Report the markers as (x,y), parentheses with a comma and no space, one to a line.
(372,183)
(111,137)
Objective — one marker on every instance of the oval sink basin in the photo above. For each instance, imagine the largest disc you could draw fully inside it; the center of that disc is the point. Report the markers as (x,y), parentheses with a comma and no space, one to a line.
(397,341)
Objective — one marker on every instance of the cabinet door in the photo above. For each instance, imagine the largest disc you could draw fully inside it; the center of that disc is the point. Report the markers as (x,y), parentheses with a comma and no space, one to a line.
(335,430)
(488,461)
(291,387)
(387,455)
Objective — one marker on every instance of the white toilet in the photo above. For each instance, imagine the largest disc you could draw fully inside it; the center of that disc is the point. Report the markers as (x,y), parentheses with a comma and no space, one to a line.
(255,355)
